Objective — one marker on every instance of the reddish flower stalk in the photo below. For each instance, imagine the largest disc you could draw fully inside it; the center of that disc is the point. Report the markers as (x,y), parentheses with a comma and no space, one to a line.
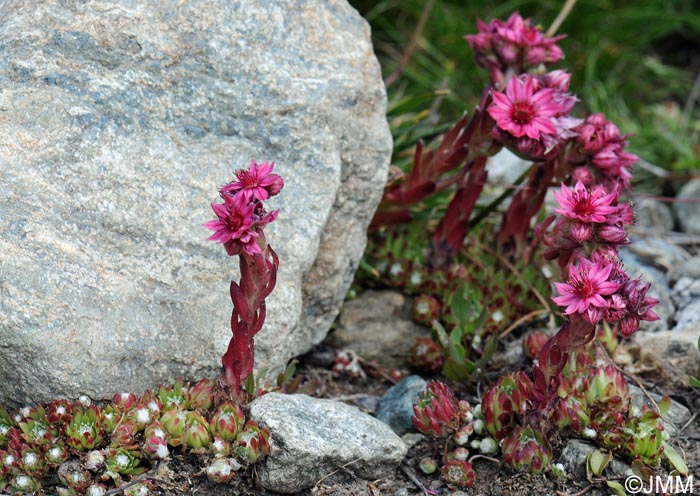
(239,226)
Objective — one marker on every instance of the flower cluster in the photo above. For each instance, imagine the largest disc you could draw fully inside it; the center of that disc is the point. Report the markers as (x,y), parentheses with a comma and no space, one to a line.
(239,226)
(512,47)
(600,290)
(600,144)
(242,216)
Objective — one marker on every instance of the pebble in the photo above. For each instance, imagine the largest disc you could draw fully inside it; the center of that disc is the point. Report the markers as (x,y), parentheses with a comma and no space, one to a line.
(311,437)
(395,408)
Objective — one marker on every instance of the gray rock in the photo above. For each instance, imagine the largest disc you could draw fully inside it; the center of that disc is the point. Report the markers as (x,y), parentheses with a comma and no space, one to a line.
(377,325)
(690,268)
(574,455)
(118,122)
(677,414)
(653,215)
(410,439)
(505,168)
(685,290)
(671,356)
(395,408)
(688,213)
(311,438)
(659,289)
(657,252)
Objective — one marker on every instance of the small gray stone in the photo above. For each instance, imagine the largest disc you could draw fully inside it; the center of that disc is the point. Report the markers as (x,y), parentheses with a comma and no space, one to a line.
(410,439)
(657,252)
(505,167)
(653,215)
(689,268)
(688,313)
(672,355)
(395,408)
(688,213)
(675,418)
(377,325)
(311,438)
(574,455)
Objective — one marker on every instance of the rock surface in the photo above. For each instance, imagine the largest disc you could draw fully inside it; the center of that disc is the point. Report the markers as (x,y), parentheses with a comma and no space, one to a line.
(675,418)
(653,215)
(311,438)
(671,357)
(377,325)
(118,122)
(688,212)
(395,408)
(574,455)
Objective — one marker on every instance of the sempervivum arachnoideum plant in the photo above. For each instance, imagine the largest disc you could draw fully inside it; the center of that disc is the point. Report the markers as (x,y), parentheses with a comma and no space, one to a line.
(85,430)
(93,448)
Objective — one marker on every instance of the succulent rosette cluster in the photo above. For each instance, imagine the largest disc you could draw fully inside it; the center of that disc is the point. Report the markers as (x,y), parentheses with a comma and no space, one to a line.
(239,226)
(92,448)
(507,401)
(440,414)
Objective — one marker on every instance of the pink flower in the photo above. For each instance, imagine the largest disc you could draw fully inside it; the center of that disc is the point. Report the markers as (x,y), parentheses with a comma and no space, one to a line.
(256,182)
(596,132)
(602,140)
(522,111)
(235,224)
(588,283)
(639,307)
(586,205)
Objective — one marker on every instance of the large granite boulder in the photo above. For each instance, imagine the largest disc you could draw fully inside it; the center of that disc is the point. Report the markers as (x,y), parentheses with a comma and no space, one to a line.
(118,122)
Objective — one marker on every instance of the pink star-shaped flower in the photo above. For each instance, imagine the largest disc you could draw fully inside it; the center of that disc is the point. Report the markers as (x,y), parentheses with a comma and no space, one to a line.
(256,182)
(588,283)
(524,111)
(586,205)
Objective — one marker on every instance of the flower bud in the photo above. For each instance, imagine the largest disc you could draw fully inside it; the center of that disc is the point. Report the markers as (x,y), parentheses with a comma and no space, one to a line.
(533,343)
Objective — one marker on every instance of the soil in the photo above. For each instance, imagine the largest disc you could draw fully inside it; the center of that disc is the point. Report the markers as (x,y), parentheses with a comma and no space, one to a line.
(183,475)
